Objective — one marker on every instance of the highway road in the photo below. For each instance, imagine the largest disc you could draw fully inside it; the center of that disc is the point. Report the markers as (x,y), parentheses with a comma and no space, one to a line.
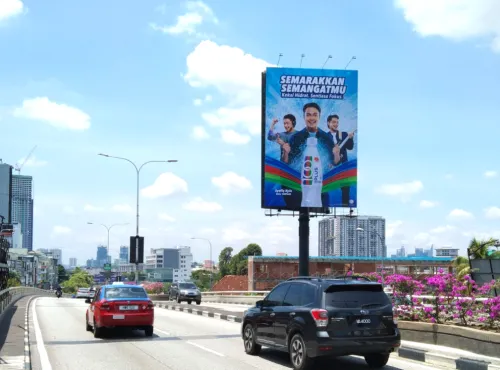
(181,342)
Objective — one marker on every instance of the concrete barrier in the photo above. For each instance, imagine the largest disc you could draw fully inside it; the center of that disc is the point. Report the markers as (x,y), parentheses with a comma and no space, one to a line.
(236,299)
(478,341)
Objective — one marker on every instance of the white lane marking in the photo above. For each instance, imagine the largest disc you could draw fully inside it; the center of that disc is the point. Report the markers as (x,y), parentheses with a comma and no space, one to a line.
(44,357)
(161,331)
(205,349)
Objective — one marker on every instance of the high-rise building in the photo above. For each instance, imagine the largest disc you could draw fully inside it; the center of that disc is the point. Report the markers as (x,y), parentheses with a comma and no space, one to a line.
(72,262)
(102,255)
(22,207)
(124,254)
(55,253)
(341,236)
(6,192)
(179,259)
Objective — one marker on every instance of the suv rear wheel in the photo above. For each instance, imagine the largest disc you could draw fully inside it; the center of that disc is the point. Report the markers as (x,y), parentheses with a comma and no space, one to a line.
(298,354)
(251,347)
(377,360)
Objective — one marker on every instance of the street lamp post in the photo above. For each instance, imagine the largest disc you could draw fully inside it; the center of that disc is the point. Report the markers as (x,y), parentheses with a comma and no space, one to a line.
(138,172)
(211,260)
(108,228)
(381,243)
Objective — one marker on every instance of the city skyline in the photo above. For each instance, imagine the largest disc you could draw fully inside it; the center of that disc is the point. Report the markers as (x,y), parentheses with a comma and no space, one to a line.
(192,92)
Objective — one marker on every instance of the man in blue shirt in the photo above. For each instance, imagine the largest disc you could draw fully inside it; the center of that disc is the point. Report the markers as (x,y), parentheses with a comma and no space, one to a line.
(282,138)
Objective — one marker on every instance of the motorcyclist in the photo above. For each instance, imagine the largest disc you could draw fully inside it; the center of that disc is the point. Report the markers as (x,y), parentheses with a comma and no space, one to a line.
(59,291)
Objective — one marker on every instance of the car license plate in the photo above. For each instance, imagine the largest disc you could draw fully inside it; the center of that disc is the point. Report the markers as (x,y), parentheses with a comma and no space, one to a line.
(363,321)
(119,317)
(129,308)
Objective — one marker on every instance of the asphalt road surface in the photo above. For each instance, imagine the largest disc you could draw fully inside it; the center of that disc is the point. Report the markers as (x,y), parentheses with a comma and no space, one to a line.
(181,342)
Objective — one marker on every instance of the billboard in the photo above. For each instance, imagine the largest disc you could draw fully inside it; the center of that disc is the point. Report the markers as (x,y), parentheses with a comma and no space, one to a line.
(309,138)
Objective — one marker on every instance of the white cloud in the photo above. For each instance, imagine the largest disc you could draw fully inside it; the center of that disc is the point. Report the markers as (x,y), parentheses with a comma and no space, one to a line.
(490,174)
(232,137)
(248,117)
(165,217)
(492,212)
(122,208)
(427,204)
(166,184)
(457,20)
(443,229)
(91,208)
(200,205)
(199,102)
(460,214)
(32,162)
(55,114)
(61,230)
(197,13)
(236,75)
(234,234)
(200,133)
(392,227)
(10,8)
(403,190)
(230,182)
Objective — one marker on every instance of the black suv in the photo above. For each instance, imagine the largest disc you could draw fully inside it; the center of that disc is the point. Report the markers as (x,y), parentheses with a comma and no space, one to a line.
(312,317)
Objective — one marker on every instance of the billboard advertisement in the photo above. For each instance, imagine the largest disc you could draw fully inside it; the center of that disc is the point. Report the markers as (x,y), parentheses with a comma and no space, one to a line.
(309,139)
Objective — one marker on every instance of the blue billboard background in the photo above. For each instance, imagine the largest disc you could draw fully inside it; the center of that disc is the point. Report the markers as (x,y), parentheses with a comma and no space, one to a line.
(287,92)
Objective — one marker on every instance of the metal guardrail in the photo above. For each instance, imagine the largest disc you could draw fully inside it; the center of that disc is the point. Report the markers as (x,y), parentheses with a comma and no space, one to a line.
(7,295)
(244,293)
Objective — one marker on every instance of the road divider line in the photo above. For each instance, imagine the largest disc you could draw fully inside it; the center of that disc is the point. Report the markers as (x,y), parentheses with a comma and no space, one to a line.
(42,351)
(161,331)
(205,349)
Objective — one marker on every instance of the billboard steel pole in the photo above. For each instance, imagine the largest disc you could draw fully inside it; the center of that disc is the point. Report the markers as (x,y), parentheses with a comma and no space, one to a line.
(138,172)
(304,242)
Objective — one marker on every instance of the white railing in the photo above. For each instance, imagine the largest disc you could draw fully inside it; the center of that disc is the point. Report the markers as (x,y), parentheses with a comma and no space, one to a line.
(7,295)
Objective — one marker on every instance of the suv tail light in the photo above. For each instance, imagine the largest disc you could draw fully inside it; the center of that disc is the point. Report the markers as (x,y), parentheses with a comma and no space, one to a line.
(320,317)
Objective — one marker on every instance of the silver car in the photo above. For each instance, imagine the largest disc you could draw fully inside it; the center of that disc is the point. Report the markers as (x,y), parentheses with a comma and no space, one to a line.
(187,292)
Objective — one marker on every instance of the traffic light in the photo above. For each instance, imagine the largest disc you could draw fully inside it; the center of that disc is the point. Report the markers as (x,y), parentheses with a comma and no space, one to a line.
(136,247)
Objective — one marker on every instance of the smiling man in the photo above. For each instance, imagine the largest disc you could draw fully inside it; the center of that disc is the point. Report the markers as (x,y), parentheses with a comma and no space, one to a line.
(297,143)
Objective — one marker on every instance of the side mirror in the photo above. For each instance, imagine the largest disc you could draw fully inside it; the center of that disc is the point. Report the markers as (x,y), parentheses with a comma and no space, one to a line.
(259,304)
(87,300)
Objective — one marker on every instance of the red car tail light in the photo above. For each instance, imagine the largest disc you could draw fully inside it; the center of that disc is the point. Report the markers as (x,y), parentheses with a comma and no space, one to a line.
(320,317)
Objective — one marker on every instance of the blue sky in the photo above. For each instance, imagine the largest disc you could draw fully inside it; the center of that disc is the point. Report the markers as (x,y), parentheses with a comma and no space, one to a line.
(128,79)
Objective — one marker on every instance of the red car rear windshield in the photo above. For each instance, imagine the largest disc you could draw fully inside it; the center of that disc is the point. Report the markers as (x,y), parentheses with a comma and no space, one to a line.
(125,292)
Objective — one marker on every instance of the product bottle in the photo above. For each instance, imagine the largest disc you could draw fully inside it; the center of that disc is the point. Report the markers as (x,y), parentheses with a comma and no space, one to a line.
(312,175)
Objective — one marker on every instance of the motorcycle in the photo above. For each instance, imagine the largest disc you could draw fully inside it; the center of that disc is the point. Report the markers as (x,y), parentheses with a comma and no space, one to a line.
(58,294)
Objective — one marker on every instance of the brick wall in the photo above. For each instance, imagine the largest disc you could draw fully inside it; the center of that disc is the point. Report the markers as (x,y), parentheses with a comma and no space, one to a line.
(231,283)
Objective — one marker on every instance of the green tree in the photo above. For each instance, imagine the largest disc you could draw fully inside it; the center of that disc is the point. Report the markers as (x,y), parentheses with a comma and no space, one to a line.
(239,262)
(201,278)
(479,249)
(78,279)
(62,274)
(225,261)
(14,279)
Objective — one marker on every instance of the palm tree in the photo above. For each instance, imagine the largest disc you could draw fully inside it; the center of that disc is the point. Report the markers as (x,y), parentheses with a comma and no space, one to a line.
(478,249)
(461,266)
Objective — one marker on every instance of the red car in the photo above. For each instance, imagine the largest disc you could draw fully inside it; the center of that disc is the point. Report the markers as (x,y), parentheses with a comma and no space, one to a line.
(120,306)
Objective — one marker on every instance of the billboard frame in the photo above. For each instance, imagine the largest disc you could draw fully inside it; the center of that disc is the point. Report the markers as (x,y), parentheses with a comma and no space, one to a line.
(314,212)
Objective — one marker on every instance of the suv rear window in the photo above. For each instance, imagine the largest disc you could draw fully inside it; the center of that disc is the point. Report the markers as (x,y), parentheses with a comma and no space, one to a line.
(187,286)
(125,292)
(356,296)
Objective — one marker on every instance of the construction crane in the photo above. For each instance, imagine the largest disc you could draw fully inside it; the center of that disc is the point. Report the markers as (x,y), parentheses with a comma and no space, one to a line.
(18,167)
